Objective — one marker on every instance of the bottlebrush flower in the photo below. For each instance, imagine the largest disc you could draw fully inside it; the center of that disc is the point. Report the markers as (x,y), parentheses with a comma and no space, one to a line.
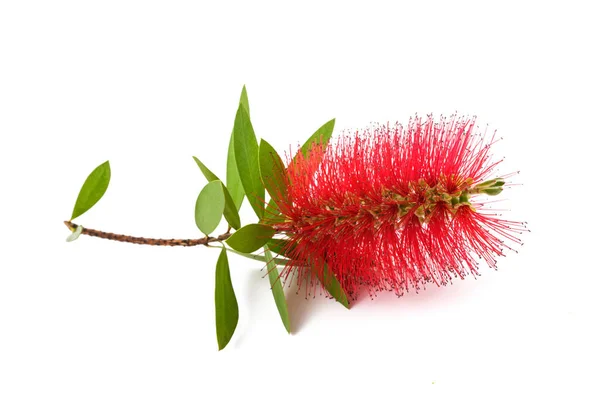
(393,208)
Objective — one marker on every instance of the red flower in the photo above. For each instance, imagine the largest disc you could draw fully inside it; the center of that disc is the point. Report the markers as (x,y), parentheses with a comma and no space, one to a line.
(392,208)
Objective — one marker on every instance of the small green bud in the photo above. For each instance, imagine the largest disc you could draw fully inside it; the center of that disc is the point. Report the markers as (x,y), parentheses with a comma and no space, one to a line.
(492,191)
(491,183)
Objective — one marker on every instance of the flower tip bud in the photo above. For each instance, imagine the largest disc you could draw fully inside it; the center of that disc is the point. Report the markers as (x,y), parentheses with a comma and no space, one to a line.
(498,182)
(492,191)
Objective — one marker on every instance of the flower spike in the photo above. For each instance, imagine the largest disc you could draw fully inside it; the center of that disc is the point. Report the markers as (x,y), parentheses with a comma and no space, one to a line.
(394,208)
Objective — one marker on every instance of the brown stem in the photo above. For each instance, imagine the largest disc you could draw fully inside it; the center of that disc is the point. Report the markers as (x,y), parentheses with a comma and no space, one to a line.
(149,241)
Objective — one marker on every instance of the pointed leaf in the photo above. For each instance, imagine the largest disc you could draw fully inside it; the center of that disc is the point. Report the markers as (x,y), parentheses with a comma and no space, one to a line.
(226,306)
(205,171)
(284,247)
(250,237)
(333,286)
(277,290)
(234,183)
(230,212)
(272,171)
(280,246)
(92,190)
(244,100)
(209,207)
(272,214)
(272,208)
(246,157)
(322,135)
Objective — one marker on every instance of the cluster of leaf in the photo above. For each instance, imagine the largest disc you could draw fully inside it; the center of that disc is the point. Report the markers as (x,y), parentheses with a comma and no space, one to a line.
(251,169)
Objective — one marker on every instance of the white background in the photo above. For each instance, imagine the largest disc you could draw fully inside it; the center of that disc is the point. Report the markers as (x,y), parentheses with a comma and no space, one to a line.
(148,84)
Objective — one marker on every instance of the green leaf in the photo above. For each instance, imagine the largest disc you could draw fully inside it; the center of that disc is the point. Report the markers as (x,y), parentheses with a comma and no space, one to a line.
(205,171)
(279,246)
(272,209)
(231,211)
(92,190)
(250,237)
(246,157)
(277,290)
(272,214)
(322,135)
(272,171)
(244,100)
(226,306)
(329,281)
(333,286)
(234,183)
(209,207)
